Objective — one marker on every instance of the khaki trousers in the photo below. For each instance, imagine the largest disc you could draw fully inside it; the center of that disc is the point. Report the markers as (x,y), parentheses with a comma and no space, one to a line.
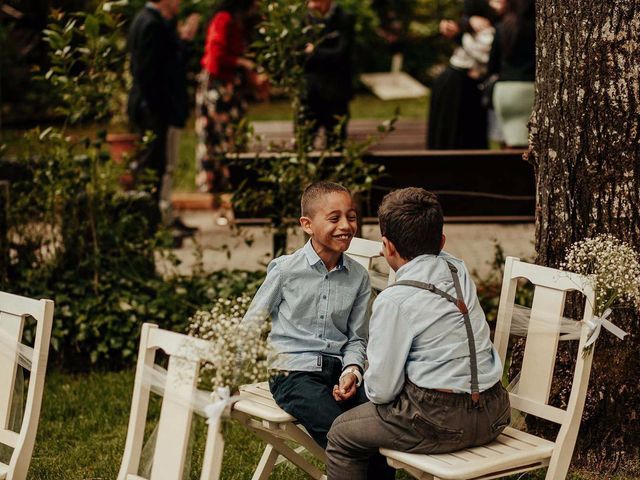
(419,420)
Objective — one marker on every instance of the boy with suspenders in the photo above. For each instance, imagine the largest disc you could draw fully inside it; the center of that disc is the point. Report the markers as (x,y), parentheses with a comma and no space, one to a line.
(434,375)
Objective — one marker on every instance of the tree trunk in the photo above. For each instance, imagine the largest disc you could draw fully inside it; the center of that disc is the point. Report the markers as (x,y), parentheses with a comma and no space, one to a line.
(585,148)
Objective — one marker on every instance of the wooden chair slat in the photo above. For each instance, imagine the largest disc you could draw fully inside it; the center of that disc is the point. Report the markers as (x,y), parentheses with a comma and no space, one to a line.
(9,438)
(4,468)
(547,412)
(176,415)
(542,343)
(11,326)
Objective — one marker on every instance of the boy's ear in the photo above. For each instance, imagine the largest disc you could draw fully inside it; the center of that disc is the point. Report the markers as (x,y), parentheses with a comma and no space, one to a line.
(389,247)
(443,241)
(305,223)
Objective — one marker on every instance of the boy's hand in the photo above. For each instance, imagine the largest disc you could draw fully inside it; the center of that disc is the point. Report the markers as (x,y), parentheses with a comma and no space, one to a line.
(346,389)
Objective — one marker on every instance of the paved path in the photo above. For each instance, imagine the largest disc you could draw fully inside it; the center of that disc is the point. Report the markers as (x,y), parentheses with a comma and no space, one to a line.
(251,249)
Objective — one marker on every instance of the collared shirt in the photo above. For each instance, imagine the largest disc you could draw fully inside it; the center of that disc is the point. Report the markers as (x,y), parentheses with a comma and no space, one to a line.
(314,312)
(417,334)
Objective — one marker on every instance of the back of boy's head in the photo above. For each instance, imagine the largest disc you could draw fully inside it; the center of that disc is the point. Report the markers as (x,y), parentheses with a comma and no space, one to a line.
(315,192)
(411,218)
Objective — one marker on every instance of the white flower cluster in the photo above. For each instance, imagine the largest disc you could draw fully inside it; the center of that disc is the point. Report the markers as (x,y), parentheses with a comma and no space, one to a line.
(613,267)
(241,347)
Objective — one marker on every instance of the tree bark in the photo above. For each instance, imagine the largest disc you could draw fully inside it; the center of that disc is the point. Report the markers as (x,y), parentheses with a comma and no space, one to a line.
(585,149)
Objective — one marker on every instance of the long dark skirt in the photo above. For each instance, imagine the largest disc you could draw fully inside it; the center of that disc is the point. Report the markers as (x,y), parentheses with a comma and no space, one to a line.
(457,119)
(219,109)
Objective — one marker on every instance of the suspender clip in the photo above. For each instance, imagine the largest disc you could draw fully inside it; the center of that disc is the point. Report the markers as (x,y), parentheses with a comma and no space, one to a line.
(462,306)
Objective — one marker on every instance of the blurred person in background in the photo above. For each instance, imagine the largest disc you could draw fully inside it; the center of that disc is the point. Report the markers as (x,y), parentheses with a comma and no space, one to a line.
(328,72)
(457,119)
(513,59)
(220,98)
(159,48)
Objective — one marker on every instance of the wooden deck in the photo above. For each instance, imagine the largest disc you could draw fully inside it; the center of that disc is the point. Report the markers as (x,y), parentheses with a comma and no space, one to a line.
(473,185)
(408,134)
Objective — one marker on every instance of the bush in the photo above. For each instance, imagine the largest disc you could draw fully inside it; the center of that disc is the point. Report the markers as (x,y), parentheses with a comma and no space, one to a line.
(77,238)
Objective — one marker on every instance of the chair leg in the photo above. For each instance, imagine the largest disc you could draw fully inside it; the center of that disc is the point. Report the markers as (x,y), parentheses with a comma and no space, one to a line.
(266,464)
(290,454)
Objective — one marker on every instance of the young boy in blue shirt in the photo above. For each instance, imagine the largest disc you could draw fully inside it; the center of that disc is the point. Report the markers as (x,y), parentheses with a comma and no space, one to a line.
(434,375)
(317,298)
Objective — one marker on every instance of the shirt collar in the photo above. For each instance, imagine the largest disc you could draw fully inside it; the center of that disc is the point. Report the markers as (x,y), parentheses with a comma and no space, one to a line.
(313,258)
(410,264)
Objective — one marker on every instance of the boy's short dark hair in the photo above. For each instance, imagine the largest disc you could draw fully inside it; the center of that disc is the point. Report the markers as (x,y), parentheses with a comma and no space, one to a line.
(411,218)
(315,192)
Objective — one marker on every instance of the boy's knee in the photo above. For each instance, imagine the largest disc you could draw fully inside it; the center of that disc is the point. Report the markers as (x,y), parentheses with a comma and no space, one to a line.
(335,435)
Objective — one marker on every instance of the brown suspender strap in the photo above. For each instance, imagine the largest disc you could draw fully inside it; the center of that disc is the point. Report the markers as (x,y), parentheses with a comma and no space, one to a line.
(458,301)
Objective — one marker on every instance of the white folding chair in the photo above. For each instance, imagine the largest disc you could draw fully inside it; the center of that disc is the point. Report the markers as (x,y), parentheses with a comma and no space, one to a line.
(186,355)
(14,355)
(259,412)
(365,252)
(515,450)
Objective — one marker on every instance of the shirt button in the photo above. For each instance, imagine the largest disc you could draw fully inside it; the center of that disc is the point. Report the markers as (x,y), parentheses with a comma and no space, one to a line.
(321,316)
(324,296)
(326,277)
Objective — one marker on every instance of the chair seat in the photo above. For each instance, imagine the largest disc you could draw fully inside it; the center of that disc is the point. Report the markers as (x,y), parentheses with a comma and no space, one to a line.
(257,401)
(511,450)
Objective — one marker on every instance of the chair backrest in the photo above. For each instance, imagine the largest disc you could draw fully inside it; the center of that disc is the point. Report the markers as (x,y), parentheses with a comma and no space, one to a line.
(536,374)
(14,310)
(186,355)
(364,252)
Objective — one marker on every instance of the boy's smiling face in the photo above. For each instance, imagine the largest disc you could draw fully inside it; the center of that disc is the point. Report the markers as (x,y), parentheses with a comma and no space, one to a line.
(332,225)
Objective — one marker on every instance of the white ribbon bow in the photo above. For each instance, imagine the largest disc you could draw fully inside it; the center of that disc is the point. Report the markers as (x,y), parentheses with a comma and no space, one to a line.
(214,411)
(595,325)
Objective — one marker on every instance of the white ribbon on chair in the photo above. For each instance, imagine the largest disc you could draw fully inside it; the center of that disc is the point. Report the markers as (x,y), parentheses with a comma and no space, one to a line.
(16,351)
(12,349)
(222,406)
(569,328)
(210,405)
(597,323)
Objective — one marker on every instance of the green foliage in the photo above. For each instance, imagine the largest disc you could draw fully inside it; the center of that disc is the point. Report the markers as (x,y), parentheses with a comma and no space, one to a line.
(275,180)
(76,238)
(279,50)
(88,63)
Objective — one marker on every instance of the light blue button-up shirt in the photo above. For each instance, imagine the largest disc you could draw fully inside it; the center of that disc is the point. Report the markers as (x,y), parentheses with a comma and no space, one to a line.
(314,312)
(417,334)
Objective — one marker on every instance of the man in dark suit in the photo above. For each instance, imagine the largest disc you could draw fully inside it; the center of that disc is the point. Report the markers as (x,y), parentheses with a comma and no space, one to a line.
(328,70)
(159,50)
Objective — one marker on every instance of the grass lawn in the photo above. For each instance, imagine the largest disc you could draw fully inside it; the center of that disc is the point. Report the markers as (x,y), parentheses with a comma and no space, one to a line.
(83,428)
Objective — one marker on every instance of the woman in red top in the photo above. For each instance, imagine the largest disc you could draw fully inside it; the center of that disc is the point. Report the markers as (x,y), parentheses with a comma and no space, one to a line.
(220,102)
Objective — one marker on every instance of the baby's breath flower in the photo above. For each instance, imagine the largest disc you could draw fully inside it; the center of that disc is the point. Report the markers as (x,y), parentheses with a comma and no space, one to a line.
(241,347)
(612,266)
